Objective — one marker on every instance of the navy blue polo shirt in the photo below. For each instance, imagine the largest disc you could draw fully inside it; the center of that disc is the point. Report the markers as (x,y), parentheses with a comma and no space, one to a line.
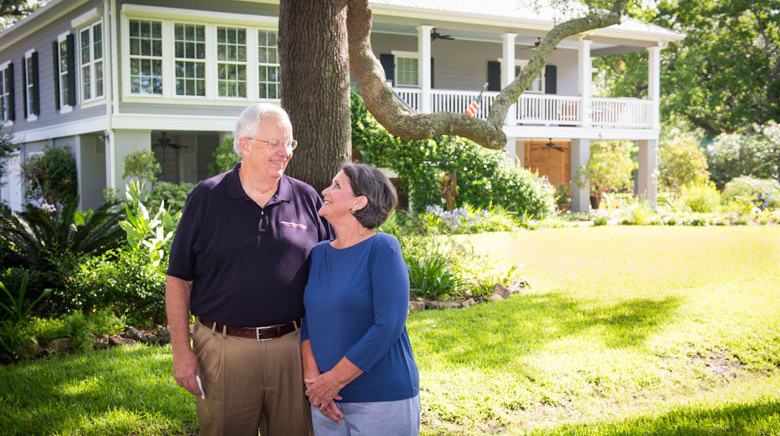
(248,264)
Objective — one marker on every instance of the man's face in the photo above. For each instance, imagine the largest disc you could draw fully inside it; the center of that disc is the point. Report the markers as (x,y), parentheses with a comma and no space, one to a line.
(264,152)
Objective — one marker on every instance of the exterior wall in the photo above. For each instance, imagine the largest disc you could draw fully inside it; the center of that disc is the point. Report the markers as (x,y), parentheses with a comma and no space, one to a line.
(11,183)
(92,170)
(41,42)
(126,142)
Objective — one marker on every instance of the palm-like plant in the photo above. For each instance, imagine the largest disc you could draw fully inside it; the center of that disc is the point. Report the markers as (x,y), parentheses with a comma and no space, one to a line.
(40,238)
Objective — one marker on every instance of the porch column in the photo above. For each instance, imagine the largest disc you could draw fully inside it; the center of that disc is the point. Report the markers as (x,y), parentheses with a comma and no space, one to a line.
(654,85)
(648,164)
(508,72)
(424,66)
(125,142)
(580,154)
(585,82)
(510,151)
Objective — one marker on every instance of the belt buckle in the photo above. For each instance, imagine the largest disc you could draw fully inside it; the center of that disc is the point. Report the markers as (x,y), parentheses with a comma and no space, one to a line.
(257,334)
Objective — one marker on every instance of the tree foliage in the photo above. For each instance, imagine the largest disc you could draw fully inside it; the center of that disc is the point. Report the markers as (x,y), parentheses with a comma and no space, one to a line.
(754,153)
(723,77)
(682,162)
(13,10)
(51,177)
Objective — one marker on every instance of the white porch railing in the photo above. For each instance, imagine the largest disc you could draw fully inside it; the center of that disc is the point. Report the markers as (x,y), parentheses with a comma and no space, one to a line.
(545,109)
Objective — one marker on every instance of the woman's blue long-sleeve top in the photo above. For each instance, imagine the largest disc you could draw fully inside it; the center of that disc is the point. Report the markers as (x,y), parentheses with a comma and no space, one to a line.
(356,303)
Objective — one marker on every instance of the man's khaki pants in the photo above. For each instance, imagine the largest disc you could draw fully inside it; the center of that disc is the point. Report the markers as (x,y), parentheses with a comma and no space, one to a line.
(251,385)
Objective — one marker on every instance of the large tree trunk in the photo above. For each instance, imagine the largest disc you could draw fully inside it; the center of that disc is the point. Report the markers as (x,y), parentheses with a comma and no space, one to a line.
(315,86)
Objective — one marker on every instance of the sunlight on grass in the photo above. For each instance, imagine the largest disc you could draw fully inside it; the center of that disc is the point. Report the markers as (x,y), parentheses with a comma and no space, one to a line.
(617,316)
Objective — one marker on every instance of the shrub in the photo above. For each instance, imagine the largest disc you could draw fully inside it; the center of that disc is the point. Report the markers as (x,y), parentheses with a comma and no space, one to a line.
(682,163)
(225,158)
(702,198)
(609,168)
(432,277)
(484,177)
(755,153)
(7,148)
(126,281)
(173,194)
(142,166)
(51,177)
(763,191)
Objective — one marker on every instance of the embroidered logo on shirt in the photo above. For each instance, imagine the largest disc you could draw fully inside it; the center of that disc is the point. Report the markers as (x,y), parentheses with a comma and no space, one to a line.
(294,225)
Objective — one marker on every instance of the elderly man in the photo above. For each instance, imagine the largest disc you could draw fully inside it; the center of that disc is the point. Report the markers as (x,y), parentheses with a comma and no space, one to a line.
(239,264)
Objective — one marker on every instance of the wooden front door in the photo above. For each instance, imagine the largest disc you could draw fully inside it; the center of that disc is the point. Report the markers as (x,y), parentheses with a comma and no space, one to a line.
(549,161)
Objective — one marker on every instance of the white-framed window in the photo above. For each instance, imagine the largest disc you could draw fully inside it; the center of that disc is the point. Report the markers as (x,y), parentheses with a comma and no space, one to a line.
(6,93)
(231,61)
(406,69)
(189,62)
(268,64)
(214,57)
(64,70)
(91,61)
(537,86)
(32,105)
(146,57)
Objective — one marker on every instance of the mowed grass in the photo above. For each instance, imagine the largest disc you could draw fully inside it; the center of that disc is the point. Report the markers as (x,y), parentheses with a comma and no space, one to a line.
(627,330)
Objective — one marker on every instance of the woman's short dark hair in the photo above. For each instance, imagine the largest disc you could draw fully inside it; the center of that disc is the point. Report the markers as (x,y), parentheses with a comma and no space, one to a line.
(376,187)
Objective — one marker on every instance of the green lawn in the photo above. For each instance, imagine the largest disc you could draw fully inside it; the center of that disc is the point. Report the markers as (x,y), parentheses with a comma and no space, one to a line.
(627,330)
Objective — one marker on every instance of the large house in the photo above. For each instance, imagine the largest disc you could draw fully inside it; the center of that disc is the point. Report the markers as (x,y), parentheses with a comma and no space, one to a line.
(107,77)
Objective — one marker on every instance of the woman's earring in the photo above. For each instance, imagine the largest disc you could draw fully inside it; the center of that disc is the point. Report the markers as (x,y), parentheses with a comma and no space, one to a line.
(352,211)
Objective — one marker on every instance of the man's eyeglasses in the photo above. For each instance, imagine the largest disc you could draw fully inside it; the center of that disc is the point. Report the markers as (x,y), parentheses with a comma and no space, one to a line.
(277,144)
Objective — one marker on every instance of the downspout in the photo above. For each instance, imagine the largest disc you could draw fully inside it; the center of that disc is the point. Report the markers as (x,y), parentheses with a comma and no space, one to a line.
(112,97)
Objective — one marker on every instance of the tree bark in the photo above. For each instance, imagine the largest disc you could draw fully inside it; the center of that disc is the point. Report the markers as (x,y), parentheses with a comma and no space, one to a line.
(315,86)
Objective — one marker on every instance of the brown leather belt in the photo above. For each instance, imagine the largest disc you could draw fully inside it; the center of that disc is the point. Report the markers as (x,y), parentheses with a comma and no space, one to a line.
(259,333)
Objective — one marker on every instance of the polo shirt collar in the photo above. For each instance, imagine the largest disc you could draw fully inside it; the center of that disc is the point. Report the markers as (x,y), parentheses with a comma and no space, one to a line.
(236,191)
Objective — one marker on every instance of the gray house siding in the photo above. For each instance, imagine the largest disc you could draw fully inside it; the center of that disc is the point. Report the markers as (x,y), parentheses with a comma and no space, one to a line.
(41,41)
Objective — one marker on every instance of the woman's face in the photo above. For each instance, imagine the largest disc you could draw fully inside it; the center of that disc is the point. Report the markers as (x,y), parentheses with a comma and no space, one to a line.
(338,198)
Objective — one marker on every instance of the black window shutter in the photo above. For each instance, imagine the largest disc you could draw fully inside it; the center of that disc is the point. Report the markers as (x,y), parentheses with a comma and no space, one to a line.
(71,70)
(494,76)
(550,79)
(432,73)
(24,85)
(36,103)
(388,64)
(9,85)
(55,59)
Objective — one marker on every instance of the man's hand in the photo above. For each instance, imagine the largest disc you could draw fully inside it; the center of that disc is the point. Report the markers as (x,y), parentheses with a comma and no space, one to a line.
(185,368)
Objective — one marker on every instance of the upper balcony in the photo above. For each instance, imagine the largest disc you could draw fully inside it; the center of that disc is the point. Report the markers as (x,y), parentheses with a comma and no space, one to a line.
(544,109)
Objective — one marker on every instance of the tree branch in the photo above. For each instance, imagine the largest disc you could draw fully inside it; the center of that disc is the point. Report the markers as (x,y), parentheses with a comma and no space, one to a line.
(409,124)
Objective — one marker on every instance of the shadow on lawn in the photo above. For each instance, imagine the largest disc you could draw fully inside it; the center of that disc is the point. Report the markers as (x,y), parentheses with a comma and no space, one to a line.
(494,333)
(128,390)
(758,419)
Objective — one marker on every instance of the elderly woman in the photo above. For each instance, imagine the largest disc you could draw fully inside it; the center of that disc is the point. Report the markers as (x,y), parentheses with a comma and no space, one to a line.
(359,370)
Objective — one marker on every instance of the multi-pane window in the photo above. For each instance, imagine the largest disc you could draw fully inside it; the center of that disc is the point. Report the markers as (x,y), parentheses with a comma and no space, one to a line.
(31,85)
(91,58)
(268,64)
(145,57)
(231,61)
(190,59)
(5,94)
(63,71)
(406,73)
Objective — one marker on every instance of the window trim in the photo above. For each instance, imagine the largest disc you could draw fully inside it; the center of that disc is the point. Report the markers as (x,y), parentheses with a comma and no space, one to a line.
(90,27)
(522,63)
(171,16)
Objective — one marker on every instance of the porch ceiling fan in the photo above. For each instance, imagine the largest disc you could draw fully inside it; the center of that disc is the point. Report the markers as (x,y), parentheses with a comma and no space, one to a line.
(436,35)
(550,146)
(536,44)
(165,143)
